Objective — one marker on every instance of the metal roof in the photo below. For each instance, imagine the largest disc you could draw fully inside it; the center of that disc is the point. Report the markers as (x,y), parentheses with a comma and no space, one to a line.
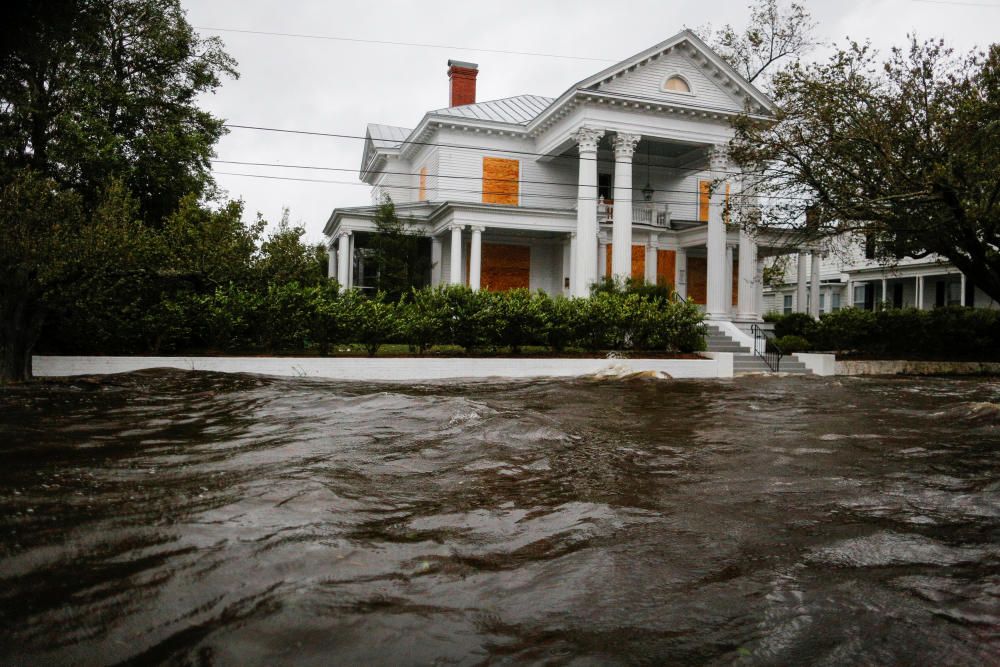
(387,136)
(517,110)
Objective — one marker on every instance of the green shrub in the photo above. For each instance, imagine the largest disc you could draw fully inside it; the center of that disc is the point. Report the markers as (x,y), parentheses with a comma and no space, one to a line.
(791,344)
(561,322)
(375,319)
(846,329)
(513,319)
(424,318)
(795,324)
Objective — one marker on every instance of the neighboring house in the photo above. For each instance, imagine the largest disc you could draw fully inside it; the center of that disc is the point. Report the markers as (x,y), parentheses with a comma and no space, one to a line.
(849,275)
(625,173)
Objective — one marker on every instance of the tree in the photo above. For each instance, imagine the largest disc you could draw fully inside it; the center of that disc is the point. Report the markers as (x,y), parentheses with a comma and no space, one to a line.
(396,252)
(98,89)
(285,257)
(100,139)
(904,152)
(775,33)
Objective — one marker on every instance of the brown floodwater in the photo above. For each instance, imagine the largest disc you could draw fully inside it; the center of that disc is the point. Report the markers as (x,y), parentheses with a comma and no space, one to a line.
(199,519)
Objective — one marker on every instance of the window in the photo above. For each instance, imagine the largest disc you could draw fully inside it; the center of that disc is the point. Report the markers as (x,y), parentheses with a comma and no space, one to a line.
(787,305)
(835,301)
(423,184)
(954,293)
(861,296)
(604,186)
(822,303)
(897,295)
(676,84)
(500,180)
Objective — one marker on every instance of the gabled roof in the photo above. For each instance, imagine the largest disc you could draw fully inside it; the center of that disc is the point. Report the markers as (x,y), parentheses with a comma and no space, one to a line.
(518,110)
(387,136)
(685,35)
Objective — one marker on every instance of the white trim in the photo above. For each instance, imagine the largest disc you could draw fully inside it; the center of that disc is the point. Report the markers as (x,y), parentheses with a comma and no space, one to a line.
(677,75)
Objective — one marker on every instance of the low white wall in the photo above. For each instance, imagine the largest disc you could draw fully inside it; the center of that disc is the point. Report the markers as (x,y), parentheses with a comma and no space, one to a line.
(725,362)
(819,364)
(390,369)
(903,367)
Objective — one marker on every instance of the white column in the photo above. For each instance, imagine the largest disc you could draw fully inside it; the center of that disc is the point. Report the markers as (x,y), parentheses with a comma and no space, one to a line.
(574,272)
(680,272)
(436,255)
(850,295)
(961,296)
(729,278)
(621,234)
(651,257)
(602,256)
(746,299)
(343,259)
(800,286)
(456,255)
(920,292)
(476,258)
(584,260)
(331,263)
(715,246)
(814,285)
(758,286)
(885,295)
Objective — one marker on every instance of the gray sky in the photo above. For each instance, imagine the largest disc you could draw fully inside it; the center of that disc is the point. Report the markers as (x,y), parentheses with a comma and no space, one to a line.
(335,86)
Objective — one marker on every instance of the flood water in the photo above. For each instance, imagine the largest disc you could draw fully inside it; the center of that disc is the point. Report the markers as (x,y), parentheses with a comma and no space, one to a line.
(206,519)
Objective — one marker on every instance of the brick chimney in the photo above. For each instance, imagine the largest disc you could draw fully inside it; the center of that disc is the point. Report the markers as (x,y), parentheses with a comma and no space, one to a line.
(462,78)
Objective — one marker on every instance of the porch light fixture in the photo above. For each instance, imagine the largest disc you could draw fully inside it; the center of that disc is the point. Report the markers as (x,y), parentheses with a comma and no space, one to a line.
(647,191)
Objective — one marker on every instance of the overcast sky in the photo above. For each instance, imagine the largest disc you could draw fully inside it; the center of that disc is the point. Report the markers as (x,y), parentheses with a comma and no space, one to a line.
(339,87)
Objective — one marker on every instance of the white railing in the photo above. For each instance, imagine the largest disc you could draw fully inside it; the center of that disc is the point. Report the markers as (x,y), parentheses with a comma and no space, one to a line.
(656,215)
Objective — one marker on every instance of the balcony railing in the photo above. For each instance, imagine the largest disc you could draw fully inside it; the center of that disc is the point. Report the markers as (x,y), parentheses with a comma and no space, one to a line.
(656,215)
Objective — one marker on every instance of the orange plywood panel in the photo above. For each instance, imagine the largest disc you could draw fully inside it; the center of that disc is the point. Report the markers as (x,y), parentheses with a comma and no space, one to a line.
(697,279)
(639,262)
(736,281)
(505,266)
(666,264)
(704,195)
(500,180)
(423,184)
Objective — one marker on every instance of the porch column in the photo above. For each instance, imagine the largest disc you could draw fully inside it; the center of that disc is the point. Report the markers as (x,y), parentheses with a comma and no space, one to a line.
(475,258)
(574,275)
(715,245)
(746,299)
(456,255)
(651,257)
(885,296)
(961,296)
(758,286)
(920,292)
(680,273)
(800,286)
(343,259)
(331,263)
(729,278)
(602,255)
(814,285)
(850,295)
(436,255)
(583,258)
(621,235)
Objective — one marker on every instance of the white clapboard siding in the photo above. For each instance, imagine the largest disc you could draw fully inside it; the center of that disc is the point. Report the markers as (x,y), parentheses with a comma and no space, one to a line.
(647,81)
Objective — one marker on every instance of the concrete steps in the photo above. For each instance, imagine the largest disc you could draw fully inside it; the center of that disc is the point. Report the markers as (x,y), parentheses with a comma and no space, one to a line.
(744,361)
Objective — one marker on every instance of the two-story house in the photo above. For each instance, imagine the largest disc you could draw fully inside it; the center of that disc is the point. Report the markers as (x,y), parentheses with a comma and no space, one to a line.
(625,173)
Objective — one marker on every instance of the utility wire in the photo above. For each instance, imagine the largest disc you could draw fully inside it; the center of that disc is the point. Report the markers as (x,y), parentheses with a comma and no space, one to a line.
(511,151)
(383,42)
(965,4)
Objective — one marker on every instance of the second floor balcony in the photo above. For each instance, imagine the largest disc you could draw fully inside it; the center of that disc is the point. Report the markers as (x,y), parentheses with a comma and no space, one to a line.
(643,213)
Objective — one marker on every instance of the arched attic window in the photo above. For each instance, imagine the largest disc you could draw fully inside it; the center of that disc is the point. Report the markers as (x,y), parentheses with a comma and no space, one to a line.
(676,84)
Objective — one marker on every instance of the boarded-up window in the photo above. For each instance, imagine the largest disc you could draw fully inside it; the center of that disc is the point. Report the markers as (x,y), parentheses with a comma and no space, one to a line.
(666,265)
(736,281)
(505,266)
(697,279)
(704,196)
(638,261)
(423,184)
(704,199)
(500,181)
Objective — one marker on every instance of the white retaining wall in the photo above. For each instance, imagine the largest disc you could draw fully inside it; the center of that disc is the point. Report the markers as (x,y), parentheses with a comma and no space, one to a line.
(391,369)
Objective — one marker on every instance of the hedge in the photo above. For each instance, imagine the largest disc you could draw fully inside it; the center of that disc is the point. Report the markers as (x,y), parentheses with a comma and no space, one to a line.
(292,318)
(953,332)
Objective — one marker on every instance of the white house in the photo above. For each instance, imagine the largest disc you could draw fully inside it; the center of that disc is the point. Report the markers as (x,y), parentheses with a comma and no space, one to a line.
(625,172)
(849,275)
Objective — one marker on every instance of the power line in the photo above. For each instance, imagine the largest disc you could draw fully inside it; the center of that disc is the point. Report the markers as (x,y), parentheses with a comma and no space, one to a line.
(492,149)
(383,42)
(950,2)
(445,177)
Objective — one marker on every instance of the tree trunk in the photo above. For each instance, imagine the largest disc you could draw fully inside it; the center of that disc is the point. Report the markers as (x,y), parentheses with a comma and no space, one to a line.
(19,331)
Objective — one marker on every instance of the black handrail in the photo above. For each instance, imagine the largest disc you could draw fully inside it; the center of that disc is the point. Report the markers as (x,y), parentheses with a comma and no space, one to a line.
(765,348)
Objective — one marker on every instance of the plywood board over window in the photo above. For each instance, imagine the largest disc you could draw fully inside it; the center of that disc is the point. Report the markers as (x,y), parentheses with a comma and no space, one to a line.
(697,279)
(638,261)
(505,267)
(423,184)
(666,264)
(705,197)
(501,181)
